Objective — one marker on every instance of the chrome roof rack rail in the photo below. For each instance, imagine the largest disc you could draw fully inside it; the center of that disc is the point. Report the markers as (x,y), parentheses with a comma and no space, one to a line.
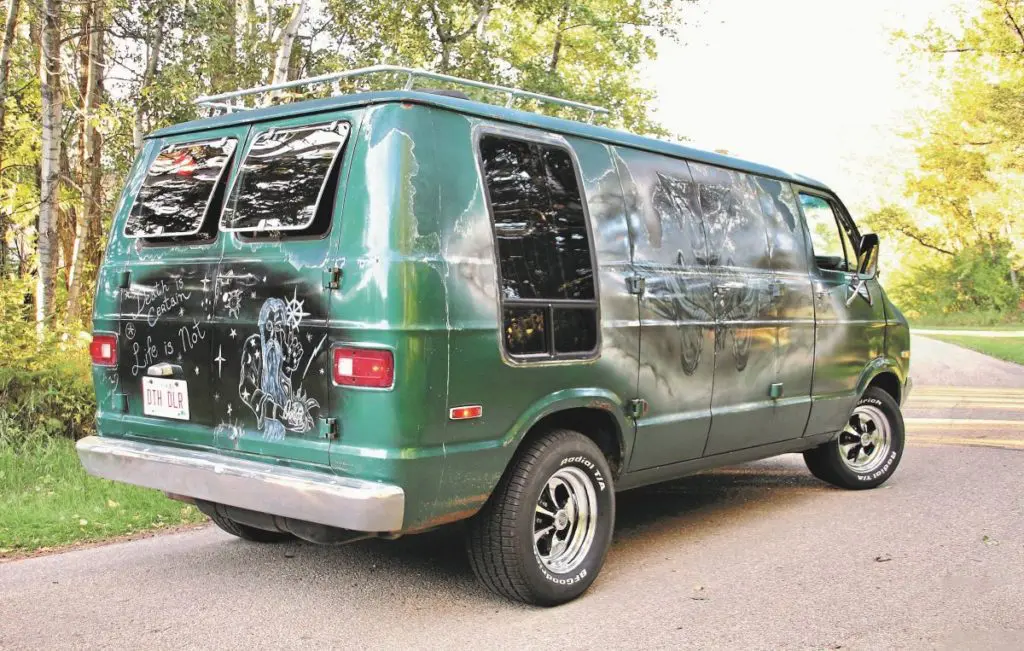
(224,101)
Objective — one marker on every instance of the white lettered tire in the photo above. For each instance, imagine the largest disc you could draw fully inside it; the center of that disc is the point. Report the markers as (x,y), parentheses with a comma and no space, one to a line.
(868,450)
(544,533)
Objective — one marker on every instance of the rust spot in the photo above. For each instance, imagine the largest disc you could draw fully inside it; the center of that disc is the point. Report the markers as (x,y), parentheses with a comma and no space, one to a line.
(473,503)
(446,518)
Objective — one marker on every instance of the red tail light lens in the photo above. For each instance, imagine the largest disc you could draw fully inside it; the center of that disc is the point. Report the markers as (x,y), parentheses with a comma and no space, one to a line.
(103,350)
(364,367)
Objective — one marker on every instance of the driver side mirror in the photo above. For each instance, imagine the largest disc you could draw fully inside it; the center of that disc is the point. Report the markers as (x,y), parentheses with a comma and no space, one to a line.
(867,257)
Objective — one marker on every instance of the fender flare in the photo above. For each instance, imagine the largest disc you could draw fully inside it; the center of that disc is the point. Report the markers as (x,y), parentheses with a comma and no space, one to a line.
(579,397)
(876,367)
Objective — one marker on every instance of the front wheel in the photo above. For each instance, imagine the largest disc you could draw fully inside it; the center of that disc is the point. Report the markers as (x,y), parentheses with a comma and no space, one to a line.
(869,448)
(543,535)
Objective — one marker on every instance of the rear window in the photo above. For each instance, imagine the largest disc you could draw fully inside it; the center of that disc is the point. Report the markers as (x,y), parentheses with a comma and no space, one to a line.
(282,178)
(178,189)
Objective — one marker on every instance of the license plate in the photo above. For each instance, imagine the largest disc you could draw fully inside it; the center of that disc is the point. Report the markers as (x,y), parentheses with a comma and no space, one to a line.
(165,398)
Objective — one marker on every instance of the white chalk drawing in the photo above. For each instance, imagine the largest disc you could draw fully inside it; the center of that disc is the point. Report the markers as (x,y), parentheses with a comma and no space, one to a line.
(154,301)
(233,302)
(129,330)
(268,361)
(231,428)
(219,359)
(294,309)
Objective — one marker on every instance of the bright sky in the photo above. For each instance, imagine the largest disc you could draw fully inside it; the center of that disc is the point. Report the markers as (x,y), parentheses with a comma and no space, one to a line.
(811,86)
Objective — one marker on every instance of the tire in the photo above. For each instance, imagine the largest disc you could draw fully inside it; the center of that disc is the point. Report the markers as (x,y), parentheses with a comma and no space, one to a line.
(245,532)
(547,473)
(846,462)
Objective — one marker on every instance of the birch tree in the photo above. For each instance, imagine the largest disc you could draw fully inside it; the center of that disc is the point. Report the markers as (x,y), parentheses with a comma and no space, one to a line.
(51,105)
(285,42)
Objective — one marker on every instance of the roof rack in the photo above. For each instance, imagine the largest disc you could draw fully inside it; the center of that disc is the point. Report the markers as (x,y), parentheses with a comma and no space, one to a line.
(226,101)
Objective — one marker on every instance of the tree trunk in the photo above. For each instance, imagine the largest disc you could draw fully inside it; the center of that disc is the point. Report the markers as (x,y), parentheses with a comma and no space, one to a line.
(49,87)
(284,48)
(10,26)
(556,51)
(86,230)
(138,129)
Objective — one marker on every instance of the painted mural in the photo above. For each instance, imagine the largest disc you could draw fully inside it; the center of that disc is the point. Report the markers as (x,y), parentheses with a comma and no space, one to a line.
(268,383)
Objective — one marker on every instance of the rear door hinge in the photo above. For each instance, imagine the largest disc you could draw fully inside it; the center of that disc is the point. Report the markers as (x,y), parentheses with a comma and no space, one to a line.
(636,285)
(329,428)
(637,407)
(332,278)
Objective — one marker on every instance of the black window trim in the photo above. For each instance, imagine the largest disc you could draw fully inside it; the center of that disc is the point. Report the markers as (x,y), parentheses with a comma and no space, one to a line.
(843,221)
(269,128)
(552,356)
(169,239)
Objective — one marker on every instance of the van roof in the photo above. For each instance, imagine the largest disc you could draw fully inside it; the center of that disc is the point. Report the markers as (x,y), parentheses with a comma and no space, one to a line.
(490,111)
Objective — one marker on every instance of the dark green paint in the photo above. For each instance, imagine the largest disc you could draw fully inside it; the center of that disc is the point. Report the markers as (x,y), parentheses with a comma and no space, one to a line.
(413,248)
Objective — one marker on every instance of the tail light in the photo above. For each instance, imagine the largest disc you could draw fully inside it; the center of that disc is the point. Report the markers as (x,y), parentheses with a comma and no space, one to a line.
(103,349)
(363,367)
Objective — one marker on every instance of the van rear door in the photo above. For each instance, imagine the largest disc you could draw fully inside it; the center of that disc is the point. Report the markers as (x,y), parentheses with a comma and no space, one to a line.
(273,289)
(165,287)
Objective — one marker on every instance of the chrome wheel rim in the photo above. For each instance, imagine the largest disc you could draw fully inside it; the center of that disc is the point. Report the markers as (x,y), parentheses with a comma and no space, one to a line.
(565,520)
(865,442)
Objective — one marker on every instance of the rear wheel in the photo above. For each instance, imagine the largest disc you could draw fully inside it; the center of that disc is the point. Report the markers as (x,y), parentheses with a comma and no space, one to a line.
(543,535)
(869,448)
(245,532)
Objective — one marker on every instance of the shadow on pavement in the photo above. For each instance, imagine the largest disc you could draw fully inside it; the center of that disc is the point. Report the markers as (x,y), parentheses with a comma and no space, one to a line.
(648,518)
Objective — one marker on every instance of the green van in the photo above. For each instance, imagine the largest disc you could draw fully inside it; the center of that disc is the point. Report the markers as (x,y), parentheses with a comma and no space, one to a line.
(377,313)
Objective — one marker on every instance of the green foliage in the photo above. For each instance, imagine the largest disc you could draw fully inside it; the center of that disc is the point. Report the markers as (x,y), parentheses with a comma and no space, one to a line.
(965,221)
(45,385)
(972,281)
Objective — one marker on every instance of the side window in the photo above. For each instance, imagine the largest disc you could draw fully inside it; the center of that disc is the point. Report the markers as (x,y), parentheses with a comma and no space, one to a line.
(181,194)
(662,192)
(549,305)
(785,234)
(831,244)
(732,214)
(282,179)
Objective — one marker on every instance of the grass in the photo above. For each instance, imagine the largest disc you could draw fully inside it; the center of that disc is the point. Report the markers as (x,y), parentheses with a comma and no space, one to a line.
(997,328)
(48,500)
(1010,349)
(980,320)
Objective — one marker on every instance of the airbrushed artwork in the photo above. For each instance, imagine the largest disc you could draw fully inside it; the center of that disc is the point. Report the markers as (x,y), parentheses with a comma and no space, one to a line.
(270,359)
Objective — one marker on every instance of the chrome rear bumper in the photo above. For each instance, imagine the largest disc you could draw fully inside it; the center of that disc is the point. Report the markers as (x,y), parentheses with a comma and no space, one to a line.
(336,501)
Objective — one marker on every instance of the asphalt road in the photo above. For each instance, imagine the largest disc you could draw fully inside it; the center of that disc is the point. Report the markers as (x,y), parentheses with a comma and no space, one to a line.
(754,556)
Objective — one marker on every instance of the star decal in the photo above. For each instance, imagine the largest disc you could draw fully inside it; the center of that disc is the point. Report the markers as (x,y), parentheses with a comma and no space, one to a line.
(196,370)
(233,334)
(321,371)
(293,308)
(252,295)
(216,396)
(245,394)
(181,311)
(219,359)
(229,409)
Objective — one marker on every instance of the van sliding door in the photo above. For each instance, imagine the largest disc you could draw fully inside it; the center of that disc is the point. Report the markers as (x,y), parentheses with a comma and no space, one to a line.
(677,345)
